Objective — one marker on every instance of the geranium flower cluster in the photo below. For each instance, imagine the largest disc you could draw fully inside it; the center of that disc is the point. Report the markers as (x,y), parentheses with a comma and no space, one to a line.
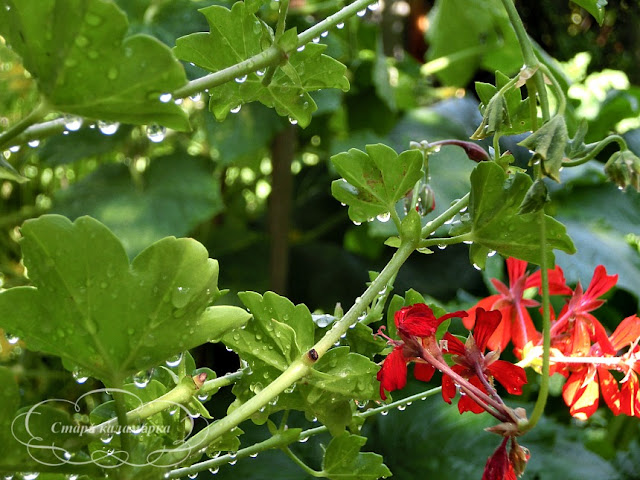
(593,362)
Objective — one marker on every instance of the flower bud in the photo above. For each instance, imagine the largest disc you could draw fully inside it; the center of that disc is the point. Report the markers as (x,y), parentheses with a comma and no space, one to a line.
(518,457)
(623,168)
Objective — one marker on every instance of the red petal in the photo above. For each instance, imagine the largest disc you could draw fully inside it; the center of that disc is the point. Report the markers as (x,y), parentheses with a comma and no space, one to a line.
(448,388)
(393,374)
(522,329)
(600,335)
(465,404)
(626,333)
(610,391)
(580,342)
(486,324)
(417,320)
(557,283)
(498,466)
(510,376)
(453,345)
(423,371)
(516,269)
(485,303)
(582,400)
(629,396)
(600,283)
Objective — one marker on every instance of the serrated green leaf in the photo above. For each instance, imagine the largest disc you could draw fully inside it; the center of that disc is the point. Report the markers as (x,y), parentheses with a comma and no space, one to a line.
(97,311)
(594,7)
(548,144)
(535,198)
(343,460)
(77,51)
(238,34)
(361,339)
(174,194)
(347,374)
(495,118)
(374,181)
(496,225)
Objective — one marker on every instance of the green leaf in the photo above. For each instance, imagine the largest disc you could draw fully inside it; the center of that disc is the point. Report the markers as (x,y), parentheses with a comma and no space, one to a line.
(376,180)
(549,143)
(77,51)
(343,460)
(536,197)
(237,34)
(97,311)
(594,7)
(173,195)
(496,225)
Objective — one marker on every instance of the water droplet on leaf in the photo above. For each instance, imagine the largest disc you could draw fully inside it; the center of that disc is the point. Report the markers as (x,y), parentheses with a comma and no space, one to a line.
(165,97)
(384,217)
(156,133)
(142,378)
(72,123)
(241,79)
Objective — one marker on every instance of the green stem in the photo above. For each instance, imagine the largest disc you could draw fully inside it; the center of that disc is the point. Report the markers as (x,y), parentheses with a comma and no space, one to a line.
(294,458)
(282,19)
(429,242)
(271,56)
(121,416)
(596,148)
(448,214)
(37,114)
(562,100)
(496,147)
(297,370)
(277,441)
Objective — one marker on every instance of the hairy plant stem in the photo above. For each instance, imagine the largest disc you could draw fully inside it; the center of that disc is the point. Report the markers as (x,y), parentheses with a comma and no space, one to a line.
(277,441)
(448,214)
(272,56)
(596,148)
(429,242)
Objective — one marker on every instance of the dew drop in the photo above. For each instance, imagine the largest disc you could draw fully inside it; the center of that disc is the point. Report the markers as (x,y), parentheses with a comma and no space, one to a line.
(324,34)
(165,97)
(156,133)
(241,79)
(213,471)
(316,40)
(174,361)
(491,253)
(357,223)
(293,121)
(14,149)
(340,26)
(203,398)
(79,376)
(384,413)
(402,408)
(108,128)
(193,475)
(236,109)
(362,13)
(374,6)
(34,143)
(300,48)
(303,439)
(467,242)
(106,439)
(254,455)
(476,266)
(384,217)
(11,339)
(142,378)
(233,462)
(73,477)
(442,246)
(72,123)
(196,97)
(261,73)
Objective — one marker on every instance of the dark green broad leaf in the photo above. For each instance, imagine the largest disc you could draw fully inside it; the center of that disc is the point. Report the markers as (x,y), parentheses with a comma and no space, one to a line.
(106,316)
(343,460)
(85,143)
(471,36)
(237,34)
(548,144)
(278,334)
(173,195)
(496,225)
(77,51)
(374,181)
(594,7)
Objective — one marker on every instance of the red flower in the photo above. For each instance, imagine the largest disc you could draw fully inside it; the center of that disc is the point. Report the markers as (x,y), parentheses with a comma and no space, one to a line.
(470,361)
(414,323)
(580,327)
(516,324)
(581,392)
(499,466)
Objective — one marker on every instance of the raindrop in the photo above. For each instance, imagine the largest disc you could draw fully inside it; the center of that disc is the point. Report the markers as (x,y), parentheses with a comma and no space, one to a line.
(402,408)
(178,101)
(203,398)
(374,6)
(340,26)
(193,475)
(303,439)
(136,429)
(79,376)
(73,477)
(67,456)
(476,266)
(300,48)
(14,149)
(72,123)
(316,40)
(30,475)
(362,13)
(106,439)
(293,121)
(236,109)
(468,242)
(384,413)
(34,143)
(254,455)
(108,128)
(322,320)
(261,73)
(196,97)
(442,246)
(324,34)
(165,97)
(357,223)
(384,217)
(241,79)
(12,339)
(233,462)
(142,378)
(156,133)
(491,253)
(213,471)
(174,361)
